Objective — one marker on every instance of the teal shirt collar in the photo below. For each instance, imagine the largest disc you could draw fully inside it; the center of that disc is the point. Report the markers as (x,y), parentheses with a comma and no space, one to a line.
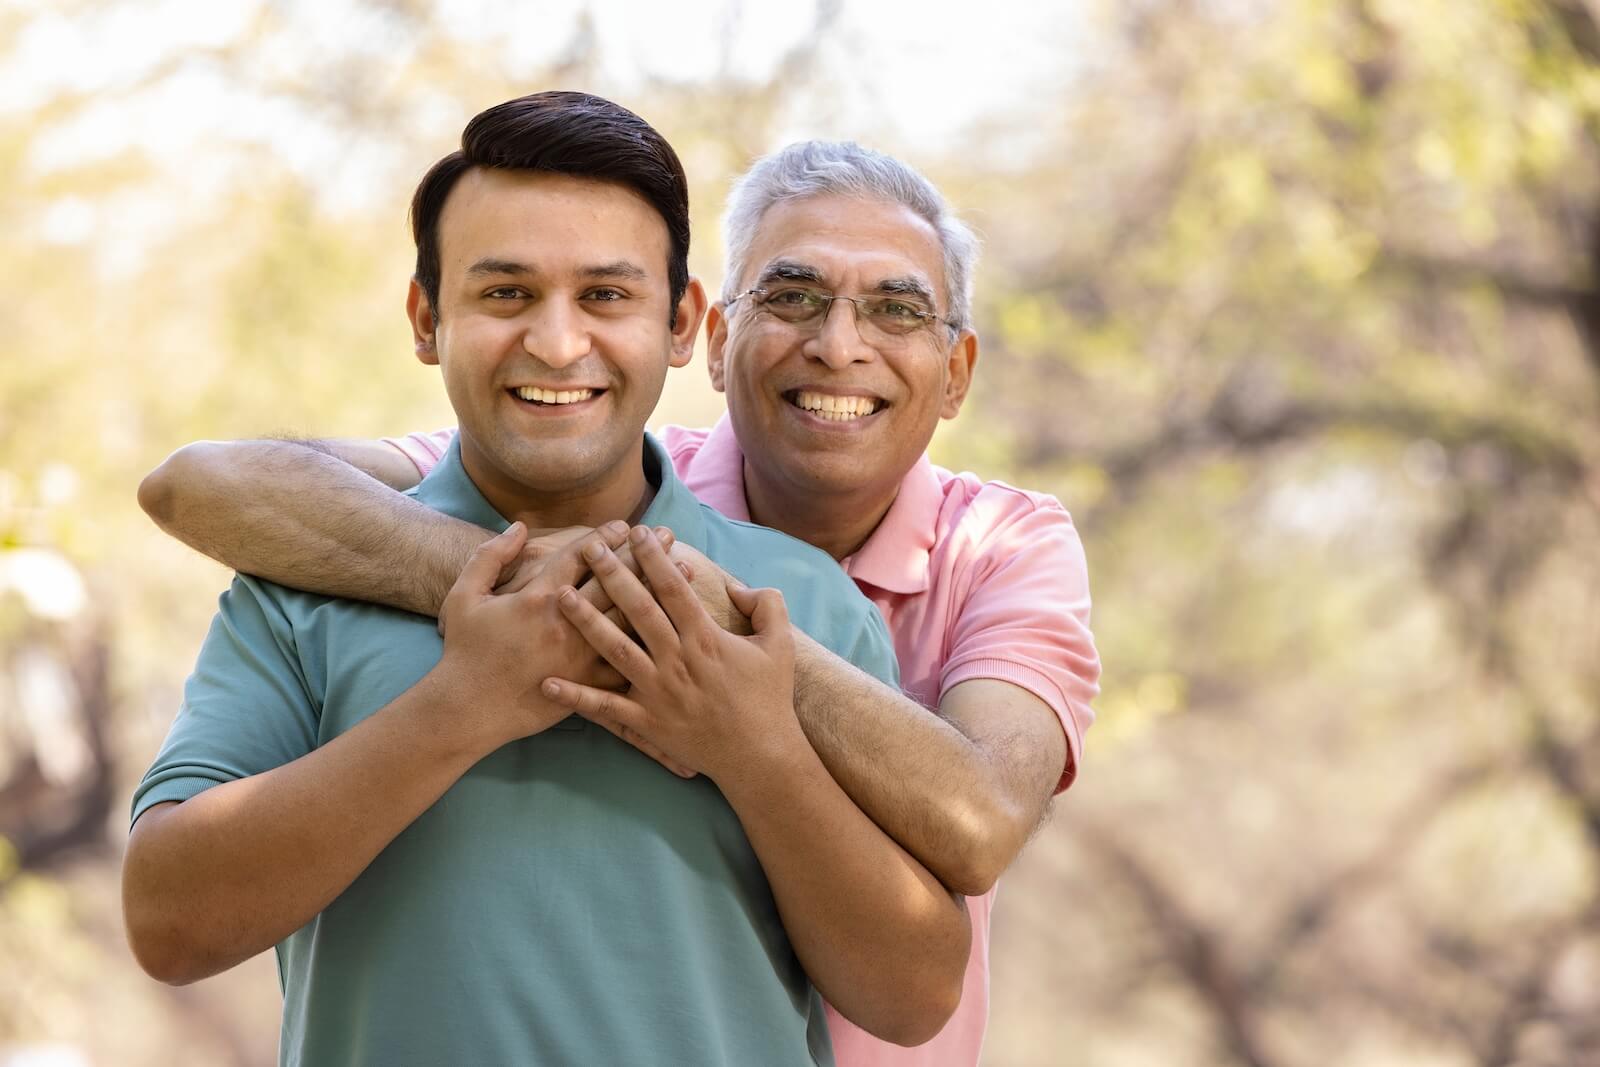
(449,489)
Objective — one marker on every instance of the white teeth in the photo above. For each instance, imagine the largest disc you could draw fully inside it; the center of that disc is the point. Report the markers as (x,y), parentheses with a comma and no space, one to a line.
(836,408)
(552,396)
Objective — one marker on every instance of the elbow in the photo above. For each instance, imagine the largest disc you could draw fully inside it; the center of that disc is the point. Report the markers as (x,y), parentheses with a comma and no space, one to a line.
(160,950)
(982,844)
(921,1006)
(160,490)
(164,945)
(923,1009)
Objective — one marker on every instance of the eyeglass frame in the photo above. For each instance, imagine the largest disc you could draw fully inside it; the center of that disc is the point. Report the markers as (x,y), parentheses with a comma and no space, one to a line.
(928,317)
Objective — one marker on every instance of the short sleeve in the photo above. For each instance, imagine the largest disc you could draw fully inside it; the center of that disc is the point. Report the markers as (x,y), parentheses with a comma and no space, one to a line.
(424,450)
(1025,619)
(246,708)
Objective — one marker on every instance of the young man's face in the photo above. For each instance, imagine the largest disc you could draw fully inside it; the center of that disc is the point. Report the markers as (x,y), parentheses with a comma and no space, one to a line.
(774,371)
(552,331)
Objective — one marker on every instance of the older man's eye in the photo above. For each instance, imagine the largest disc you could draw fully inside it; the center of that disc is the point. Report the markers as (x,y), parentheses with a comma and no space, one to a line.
(505,292)
(793,297)
(606,295)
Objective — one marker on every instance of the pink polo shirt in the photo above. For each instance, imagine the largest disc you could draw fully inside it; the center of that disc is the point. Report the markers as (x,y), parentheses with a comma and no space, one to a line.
(975,580)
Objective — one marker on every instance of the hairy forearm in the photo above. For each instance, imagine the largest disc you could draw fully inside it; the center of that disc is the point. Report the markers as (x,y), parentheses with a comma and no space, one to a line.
(288,512)
(212,881)
(930,788)
(882,940)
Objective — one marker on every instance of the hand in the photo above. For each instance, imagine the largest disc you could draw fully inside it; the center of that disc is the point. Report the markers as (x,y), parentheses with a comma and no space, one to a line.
(709,582)
(707,700)
(523,567)
(500,646)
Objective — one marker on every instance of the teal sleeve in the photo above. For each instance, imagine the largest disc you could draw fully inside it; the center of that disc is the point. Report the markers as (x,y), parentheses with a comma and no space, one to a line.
(246,708)
(873,650)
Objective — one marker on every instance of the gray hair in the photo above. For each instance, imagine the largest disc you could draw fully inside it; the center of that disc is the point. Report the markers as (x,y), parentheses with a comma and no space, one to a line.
(844,168)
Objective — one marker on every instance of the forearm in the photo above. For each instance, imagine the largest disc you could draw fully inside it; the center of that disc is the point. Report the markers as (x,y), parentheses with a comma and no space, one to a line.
(302,518)
(212,881)
(882,940)
(916,775)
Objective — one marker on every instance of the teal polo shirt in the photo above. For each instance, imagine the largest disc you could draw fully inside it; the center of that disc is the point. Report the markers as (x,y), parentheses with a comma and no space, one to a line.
(568,901)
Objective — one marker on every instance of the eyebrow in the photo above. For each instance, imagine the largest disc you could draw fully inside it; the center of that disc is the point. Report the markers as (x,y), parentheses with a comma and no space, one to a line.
(489,267)
(905,287)
(620,268)
(789,270)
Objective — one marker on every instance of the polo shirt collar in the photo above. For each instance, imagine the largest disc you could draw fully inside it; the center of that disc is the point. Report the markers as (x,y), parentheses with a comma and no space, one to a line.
(449,489)
(897,555)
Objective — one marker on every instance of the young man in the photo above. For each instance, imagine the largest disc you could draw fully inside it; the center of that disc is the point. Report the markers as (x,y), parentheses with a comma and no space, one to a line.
(451,866)
(842,338)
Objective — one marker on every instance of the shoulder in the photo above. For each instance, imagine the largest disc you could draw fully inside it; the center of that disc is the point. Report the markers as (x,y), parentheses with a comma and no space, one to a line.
(682,443)
(816,590)
(993,518)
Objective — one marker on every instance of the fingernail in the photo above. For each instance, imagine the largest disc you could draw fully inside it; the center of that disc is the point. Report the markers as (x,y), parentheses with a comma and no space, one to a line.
(638,534)
(551,688)
(568,596)
(593,551)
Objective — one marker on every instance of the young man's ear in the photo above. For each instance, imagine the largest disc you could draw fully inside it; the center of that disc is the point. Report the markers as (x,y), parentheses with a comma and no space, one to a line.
(716,340)
(686,323)
(959,362)
(423,325)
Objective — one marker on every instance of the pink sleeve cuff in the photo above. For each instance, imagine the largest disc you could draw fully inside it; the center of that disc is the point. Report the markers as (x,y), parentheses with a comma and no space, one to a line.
(1041,685)
(424,450)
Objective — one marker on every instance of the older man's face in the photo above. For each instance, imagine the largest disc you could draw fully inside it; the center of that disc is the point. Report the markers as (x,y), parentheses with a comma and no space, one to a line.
(839,409)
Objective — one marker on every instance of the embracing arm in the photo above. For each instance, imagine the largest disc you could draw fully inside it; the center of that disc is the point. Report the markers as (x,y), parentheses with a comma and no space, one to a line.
(320,516)
(961,790)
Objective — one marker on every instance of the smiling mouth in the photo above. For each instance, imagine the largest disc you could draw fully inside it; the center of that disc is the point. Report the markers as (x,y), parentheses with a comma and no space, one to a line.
(553,397)
(835,408)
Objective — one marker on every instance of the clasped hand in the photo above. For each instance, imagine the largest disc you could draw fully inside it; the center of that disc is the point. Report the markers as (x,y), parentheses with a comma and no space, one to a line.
(699,699)
(504,632)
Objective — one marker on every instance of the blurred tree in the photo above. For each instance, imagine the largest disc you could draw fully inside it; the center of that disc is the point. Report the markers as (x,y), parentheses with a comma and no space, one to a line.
(1310,287)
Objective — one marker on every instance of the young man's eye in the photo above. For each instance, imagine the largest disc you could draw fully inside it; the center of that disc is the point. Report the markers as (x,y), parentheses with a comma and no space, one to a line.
(607,295)
(504,292)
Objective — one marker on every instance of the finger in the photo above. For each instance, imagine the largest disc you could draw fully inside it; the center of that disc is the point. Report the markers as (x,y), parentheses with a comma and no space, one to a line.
(667,582)
(637,604)
(640,742)
(767,611)
(665,536)
(608,710)
(602,635)
(478,577)
(601,706)
(595,593)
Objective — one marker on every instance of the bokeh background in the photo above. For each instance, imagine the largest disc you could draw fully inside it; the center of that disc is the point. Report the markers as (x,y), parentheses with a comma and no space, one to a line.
(1292,303)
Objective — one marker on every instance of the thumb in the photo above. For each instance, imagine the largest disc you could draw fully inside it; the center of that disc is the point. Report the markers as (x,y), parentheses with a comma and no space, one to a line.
(482,572)
(764,606)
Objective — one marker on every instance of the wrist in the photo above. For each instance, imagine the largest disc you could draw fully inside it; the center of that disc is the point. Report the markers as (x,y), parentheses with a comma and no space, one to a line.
(453,712)
(754,765)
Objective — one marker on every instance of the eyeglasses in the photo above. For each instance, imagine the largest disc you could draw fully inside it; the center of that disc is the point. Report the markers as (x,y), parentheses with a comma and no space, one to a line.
(887,317)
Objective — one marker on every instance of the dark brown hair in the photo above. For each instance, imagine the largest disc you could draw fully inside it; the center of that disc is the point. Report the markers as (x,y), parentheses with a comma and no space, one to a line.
(560,132)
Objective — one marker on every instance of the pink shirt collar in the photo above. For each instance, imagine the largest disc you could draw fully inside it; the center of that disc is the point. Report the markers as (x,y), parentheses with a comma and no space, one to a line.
(894,558)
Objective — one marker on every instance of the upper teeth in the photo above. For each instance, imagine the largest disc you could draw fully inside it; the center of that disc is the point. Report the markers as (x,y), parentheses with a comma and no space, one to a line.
(836,408)
(554,396)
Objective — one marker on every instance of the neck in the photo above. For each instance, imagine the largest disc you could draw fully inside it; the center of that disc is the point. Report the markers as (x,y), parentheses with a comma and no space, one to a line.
(839,525)
(623,493)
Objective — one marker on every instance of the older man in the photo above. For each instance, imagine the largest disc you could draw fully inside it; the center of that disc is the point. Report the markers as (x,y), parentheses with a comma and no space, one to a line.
(842,337)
